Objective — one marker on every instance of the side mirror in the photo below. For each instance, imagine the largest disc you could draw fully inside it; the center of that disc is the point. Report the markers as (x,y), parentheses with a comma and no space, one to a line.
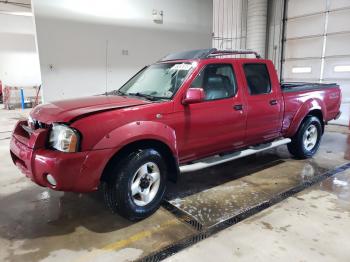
(193,95)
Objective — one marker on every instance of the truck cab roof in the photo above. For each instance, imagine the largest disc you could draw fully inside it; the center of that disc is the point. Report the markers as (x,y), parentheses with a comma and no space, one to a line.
(205,54)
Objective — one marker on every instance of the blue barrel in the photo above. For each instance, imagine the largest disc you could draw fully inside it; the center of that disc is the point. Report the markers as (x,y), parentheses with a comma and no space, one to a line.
(22,98)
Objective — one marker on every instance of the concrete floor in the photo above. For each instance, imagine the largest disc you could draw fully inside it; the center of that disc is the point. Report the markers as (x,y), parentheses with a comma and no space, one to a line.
(37,224)
(313,225)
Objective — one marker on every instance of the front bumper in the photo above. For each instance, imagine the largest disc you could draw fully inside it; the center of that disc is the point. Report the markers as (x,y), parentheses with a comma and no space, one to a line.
(77,172)
(337,115)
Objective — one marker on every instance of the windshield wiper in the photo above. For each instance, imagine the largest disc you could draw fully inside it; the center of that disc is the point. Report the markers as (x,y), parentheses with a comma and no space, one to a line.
(149,97)
(118,92)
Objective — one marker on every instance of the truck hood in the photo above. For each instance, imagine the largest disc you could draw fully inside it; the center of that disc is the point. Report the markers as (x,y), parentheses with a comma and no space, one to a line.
(73,109)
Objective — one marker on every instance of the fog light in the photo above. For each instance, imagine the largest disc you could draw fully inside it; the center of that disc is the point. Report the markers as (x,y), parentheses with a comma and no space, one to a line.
(51,180)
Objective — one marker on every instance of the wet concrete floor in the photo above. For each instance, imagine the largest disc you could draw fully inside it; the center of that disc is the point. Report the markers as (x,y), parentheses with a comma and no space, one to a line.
(37,224)
(213,195)
(313,225)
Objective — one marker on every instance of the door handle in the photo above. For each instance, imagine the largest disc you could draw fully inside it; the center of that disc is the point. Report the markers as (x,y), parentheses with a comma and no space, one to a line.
(273,102)
(238,107)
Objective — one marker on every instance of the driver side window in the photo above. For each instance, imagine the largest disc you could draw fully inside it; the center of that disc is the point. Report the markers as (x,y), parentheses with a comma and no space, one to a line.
(217,80)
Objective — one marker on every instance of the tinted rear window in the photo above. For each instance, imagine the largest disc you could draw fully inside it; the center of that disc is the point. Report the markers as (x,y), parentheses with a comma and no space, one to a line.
(258,78)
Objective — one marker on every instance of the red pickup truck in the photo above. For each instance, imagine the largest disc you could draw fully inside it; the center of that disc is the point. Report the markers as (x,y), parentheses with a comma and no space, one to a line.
(188,111)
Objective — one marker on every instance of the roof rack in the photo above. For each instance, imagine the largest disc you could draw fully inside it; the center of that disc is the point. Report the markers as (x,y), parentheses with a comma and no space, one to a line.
(206,53)
(215,52)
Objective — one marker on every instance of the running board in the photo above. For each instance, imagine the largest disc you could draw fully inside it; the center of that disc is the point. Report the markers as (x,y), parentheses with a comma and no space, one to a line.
(216,160)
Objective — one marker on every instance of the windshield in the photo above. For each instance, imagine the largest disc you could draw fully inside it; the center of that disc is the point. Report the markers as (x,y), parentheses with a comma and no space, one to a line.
(159,81)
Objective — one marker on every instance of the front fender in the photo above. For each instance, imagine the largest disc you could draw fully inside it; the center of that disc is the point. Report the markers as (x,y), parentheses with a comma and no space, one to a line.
(136,131)
(303,111)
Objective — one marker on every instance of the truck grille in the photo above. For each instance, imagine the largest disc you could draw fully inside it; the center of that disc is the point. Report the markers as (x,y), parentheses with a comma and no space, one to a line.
(32,125)
(35,124)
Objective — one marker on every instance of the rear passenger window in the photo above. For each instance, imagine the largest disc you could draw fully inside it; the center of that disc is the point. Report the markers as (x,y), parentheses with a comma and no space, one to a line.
(258,78)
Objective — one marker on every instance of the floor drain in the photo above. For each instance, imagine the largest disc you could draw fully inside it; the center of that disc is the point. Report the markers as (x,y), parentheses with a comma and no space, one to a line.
(182,215)
(206,232)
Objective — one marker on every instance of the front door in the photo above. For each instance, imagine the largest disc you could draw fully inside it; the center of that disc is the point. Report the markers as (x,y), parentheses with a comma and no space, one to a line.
(217,123)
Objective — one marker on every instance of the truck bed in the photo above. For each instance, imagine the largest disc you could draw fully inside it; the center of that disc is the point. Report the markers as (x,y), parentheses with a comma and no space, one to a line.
(296,94)
(304,86)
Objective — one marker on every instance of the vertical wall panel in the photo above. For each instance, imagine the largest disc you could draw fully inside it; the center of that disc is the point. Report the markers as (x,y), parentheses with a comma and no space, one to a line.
(256,25)
(229,24)
(275,28)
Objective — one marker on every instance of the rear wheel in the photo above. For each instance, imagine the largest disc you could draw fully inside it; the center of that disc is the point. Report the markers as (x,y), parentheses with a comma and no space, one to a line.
(136,185)
(306,141)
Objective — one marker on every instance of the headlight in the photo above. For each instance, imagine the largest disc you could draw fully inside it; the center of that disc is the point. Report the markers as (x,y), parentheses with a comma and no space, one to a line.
(31,123)
(64,138)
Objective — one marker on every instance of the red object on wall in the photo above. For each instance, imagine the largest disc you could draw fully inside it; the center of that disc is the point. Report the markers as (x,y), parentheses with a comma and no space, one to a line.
(0,88)
(6,97)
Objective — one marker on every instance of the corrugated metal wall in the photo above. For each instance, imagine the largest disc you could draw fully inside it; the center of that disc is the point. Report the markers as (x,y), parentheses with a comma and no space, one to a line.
(240,24)
(229,24)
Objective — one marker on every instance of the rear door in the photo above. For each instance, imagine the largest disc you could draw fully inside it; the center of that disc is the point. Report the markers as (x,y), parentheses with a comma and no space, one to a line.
(264,103)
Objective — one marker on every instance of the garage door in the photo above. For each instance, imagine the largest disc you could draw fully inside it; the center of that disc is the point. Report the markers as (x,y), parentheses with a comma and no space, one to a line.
(317,46)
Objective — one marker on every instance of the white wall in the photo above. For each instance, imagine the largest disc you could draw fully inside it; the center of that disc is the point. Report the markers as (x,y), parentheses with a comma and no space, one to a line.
(19,62)
(80,42)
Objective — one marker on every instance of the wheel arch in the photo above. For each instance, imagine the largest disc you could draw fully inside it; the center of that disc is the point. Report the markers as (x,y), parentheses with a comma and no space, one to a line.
(317,113)
(312,107)
(161,147)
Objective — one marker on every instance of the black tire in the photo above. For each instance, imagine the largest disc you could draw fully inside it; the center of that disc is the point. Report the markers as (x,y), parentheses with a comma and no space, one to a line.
(117,188)
(297,147)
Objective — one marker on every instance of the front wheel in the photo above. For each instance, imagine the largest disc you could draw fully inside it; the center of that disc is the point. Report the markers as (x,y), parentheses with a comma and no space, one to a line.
(136,184)
(306,141)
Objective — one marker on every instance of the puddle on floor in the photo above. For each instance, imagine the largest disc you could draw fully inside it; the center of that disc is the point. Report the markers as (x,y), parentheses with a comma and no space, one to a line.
(245,183)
